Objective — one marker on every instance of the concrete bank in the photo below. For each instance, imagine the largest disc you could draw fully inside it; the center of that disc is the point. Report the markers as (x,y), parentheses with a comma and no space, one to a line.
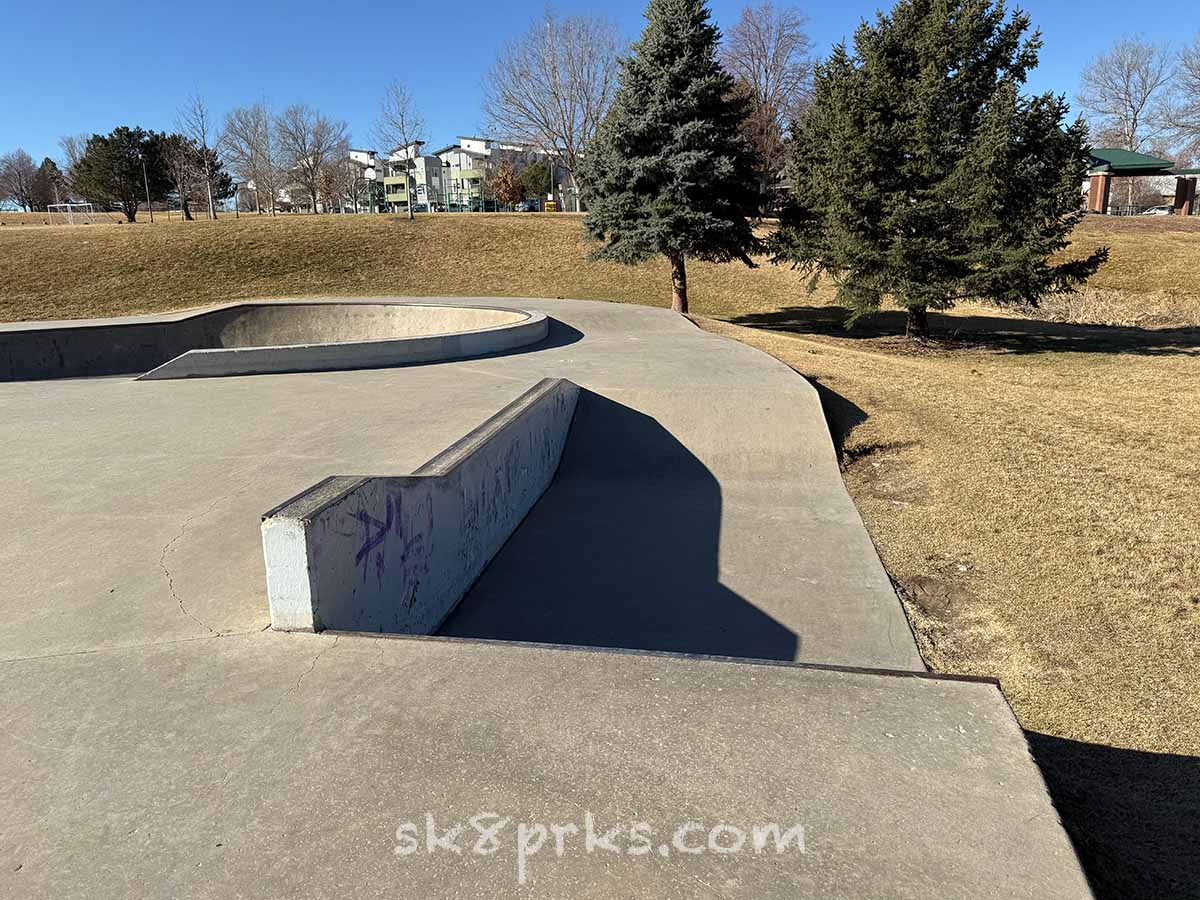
(283,765)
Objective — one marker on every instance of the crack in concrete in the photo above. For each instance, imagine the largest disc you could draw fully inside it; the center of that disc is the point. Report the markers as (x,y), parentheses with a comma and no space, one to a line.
(146,646)
(162,563)
(295,687)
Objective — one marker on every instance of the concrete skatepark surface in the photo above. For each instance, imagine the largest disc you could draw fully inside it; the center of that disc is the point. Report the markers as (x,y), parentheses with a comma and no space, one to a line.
(155,740)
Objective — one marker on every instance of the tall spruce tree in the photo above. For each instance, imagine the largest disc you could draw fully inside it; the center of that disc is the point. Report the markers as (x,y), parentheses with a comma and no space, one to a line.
(922,174)
(668,172)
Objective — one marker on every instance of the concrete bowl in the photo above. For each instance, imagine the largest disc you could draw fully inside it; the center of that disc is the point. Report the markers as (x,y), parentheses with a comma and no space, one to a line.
(265,337)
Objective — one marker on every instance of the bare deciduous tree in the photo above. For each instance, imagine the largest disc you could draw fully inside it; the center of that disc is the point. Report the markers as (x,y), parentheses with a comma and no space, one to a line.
(1123,93)
(1185,106)
(73,147)
(310,142)
(351,182)
(769,53)
(399,127)
(181,159)
(195,123)
(17,174)
(551,87)
(335,183)
(248,141)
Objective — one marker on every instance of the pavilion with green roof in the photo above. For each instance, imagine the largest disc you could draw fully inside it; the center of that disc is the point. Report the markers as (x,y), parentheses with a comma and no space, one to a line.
(1115,162)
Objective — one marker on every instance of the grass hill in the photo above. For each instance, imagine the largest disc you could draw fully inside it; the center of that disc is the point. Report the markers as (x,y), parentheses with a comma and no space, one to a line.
(113,269)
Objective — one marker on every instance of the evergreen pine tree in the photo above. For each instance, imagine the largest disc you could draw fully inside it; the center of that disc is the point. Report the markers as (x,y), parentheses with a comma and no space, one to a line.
(921,173)
(49,185)
(668,172)
(121,167)
(536,180)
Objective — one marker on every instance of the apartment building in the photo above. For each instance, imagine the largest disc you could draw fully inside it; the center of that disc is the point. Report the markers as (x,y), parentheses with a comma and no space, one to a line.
(452,178)
(413,176)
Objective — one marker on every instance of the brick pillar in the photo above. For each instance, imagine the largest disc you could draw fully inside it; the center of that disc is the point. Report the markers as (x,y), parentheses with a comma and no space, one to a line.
(1185,194)
(1098,188)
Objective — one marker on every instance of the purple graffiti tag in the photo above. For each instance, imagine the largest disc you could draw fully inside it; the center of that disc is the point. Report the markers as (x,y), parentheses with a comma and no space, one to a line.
(374,531)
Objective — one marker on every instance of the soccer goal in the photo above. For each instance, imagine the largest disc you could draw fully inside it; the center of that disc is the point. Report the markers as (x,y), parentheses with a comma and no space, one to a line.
(71,213)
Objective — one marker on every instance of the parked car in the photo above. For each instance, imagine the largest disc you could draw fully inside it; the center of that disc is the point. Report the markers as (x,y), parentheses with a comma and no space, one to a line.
(1158,211)
(526,206)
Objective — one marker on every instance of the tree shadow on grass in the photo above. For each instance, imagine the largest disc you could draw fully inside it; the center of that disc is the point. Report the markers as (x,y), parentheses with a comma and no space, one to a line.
(1005,334)
(841,415)
(1134,816)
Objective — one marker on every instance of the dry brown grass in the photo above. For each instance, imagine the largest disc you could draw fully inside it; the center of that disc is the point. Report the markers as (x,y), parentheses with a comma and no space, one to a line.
(114,270)
(1033,487)
(80,271)
(1152,278)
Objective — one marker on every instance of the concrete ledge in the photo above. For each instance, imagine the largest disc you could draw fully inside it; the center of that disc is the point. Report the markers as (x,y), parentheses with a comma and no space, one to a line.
(396,554)
(258,338)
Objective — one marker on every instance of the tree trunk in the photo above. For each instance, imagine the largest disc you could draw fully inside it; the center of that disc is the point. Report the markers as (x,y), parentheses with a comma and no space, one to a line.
(917,326)
(679,300)
(130,211)
(212,208)
(187,213)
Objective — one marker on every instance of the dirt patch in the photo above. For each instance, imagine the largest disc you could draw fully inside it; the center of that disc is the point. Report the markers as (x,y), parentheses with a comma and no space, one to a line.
(936,597)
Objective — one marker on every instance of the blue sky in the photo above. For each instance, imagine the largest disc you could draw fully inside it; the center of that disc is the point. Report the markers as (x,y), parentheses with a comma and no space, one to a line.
(90,66)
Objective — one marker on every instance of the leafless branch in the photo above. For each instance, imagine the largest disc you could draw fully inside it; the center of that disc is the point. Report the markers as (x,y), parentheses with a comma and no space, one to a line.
(73,147)
(1123,93)
(17,173)
(399,127)
(248,139)
(769,54)
(1184,106)
(309,142)
(551,87)
(195,123)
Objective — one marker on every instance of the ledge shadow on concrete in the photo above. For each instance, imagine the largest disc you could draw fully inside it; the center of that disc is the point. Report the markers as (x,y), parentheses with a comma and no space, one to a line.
(622,552)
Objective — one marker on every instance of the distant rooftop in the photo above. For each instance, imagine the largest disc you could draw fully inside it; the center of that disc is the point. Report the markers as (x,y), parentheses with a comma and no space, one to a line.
(1118,161)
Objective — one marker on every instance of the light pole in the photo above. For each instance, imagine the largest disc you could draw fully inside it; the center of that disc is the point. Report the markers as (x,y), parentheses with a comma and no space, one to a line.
(369,175)
(146,184)
(446,182)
